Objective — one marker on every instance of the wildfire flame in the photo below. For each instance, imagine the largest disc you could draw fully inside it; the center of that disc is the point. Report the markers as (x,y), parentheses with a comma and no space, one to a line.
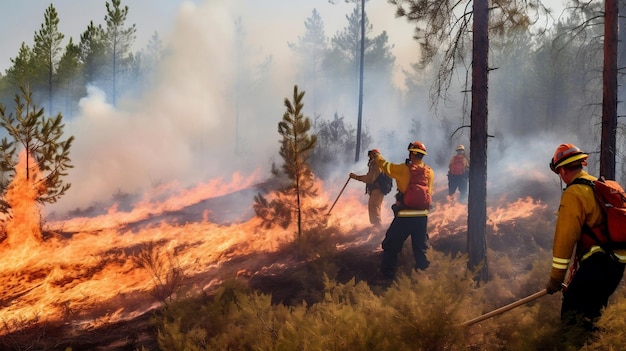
(86,273)
(23,228)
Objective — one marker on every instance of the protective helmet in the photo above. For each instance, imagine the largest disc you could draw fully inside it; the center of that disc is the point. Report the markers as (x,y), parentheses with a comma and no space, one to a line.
(373,152)
(566,154)
(417,146)
(460,148)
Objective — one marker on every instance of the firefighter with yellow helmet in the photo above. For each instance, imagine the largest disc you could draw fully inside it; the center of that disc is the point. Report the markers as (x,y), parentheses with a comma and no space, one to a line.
(408,220)
(372,188)
(594,274)
(458,172)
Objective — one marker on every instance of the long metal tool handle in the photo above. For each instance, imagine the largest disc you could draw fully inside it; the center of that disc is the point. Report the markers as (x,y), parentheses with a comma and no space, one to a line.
(503,309)
(344,186)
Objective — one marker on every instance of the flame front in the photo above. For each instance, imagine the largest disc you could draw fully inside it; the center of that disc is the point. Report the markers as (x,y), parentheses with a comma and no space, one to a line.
(23,228)
(86,273)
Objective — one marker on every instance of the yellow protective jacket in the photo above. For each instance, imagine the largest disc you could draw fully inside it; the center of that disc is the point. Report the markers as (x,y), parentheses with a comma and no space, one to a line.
(402,174)
(578,207)
(373,171)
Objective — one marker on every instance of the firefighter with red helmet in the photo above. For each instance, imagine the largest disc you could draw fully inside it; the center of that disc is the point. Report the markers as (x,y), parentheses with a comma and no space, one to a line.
(594,274)
(407,221)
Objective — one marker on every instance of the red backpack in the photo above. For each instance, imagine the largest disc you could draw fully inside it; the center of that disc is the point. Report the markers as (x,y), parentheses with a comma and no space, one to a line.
(457,165)
(611,197)
(416,195)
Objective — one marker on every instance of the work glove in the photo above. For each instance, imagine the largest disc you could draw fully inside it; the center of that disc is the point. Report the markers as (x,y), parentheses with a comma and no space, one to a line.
(352,175)
(553,286)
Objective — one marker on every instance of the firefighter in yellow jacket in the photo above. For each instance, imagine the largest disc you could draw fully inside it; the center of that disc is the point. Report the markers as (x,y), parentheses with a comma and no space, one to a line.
(598,274)
(407,221)
(376,195)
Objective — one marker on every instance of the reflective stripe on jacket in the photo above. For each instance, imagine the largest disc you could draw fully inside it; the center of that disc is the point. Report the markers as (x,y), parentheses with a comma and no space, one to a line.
(578,207)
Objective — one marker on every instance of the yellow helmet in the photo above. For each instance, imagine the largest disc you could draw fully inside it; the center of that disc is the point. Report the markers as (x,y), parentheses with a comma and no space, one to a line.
(460,148)
(417,146)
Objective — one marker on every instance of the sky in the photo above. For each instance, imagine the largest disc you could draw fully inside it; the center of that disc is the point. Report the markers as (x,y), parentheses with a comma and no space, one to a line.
(150,140)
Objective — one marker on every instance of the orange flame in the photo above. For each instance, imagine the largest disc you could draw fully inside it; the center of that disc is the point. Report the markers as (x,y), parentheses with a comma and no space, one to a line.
(90,277)
(23,228)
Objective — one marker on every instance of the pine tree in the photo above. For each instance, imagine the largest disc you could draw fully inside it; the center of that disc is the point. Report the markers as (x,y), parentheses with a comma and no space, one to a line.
(296,148)
(92,52)
(47,51)
(21,72)
(335,145)
(312,48)
(148,60)
(68,76)
(40,137)
(118,41)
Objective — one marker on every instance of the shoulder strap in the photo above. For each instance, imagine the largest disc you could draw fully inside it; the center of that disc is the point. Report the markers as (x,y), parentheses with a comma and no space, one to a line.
(586,229)
(583,181)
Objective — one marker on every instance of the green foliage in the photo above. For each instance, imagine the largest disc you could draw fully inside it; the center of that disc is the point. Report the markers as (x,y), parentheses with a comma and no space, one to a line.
(47,52)
(118,41)
(297,145)
(92,52)
(69,77)
(40,138)
(296,148)
(22,71)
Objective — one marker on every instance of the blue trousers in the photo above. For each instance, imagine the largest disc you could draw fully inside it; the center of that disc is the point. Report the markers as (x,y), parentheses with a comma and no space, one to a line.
(398,232)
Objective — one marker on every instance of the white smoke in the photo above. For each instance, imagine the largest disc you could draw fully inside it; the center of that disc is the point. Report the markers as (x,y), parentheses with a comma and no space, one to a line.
(176,131)
(183,128)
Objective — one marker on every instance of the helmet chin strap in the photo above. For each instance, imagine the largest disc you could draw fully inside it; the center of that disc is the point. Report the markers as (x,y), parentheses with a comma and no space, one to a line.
(560,180)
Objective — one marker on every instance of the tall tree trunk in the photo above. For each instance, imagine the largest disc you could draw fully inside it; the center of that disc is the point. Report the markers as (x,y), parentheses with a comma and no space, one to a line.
(609,91)
(620,173)
(477,209)
(361,61)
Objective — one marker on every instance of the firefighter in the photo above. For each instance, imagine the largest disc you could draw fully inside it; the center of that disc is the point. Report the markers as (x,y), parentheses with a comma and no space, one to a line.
(597,274)
(376,196)
(406,221)
(458,171)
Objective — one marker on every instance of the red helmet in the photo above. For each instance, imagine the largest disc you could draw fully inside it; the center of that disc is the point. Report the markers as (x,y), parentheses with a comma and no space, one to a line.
(417,146)
(566,154)
(373,152)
